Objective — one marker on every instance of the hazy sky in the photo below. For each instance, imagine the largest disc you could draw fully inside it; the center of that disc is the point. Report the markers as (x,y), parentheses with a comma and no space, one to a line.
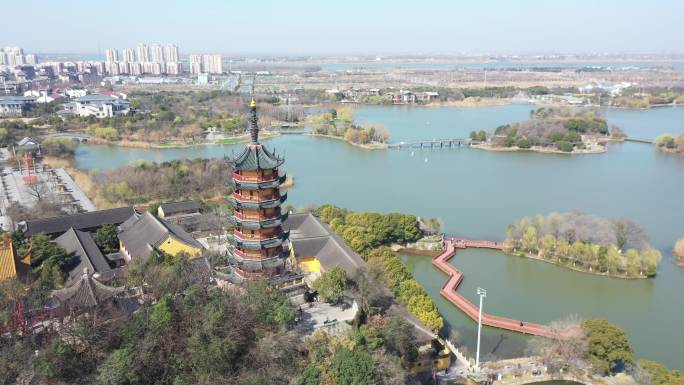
(347,27)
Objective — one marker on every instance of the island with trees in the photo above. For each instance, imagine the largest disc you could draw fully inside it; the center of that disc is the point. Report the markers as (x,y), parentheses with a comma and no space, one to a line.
(582,242)
(679,251)
(670,143)
(551,130)
(339,124)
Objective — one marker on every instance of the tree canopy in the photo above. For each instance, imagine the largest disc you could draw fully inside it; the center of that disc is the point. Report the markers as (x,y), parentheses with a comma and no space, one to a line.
(107,239)
(609,348)
(551,127)
(48,259)
(617,247)
(364,231)
(331,285)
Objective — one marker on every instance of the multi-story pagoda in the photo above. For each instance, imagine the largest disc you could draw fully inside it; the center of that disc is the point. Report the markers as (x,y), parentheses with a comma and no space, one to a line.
(259,242)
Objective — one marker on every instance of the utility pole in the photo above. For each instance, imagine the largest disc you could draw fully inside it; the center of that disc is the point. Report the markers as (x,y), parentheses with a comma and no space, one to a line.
(482,293)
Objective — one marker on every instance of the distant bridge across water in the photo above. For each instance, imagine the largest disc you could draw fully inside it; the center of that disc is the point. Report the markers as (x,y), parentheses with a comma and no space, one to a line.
(434,143)
(638,140)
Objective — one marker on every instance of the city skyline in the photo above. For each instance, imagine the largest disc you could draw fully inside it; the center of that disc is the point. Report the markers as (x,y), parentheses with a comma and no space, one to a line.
(383,27)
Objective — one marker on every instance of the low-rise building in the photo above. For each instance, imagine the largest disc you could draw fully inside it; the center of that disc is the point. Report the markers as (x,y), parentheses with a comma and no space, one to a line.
(29,145)
(12,265)
(15,106)
(173,209)
(90,222)
(8,264)
(141,235)
(315,248)
(410,97)
(355,92)
(91,258)
(75,92)
(101,106)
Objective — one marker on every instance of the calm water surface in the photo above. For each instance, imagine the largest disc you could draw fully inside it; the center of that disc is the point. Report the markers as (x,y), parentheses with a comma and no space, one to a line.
(478,193)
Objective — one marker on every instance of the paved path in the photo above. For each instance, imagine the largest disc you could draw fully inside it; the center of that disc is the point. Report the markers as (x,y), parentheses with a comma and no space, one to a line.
(455,279)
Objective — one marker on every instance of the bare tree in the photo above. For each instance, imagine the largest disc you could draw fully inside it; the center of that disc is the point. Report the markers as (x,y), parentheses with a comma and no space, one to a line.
(569,348)
(38,190)
(628,234)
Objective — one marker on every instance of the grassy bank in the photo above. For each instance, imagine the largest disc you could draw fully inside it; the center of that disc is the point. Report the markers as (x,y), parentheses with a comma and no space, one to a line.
(150,145)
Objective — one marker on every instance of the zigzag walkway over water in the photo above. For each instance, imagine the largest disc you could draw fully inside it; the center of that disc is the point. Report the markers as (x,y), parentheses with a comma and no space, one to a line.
(455,279)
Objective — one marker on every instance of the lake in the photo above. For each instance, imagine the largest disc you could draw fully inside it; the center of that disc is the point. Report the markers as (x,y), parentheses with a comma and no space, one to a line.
(478,193)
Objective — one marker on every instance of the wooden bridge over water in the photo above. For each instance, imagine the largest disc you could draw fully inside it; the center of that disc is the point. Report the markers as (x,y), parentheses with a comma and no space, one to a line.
(455,279)
(434,143)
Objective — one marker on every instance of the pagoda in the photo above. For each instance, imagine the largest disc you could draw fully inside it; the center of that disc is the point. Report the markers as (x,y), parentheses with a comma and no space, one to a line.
(259,244)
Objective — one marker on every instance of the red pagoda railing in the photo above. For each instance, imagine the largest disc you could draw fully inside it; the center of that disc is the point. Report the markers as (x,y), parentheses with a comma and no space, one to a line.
(259,217)
(243,255)
(260,178)
(255,198)
(255,237)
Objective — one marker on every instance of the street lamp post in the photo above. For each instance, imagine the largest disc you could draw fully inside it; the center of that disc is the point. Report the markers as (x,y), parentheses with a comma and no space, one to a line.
(482,293)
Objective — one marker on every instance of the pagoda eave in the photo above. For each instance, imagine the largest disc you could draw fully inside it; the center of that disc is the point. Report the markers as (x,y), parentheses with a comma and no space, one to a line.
(263,204)
(252,224)
(256,185)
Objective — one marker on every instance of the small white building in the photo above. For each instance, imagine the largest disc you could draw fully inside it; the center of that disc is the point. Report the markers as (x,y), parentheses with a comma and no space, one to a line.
(76,92)
(202,79)
(100,106)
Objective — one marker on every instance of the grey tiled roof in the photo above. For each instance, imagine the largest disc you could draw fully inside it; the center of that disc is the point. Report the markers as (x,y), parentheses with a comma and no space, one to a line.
(179,207)
(90,220)
(83,245)
(311,237)
(147,232)
(16,100)
(86,291)
(96,98)
(255,157)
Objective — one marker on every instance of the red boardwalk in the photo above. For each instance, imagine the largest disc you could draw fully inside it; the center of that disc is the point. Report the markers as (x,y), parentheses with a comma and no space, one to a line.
(455,278)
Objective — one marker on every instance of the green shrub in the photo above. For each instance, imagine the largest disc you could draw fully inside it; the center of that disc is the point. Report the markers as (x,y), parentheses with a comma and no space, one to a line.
(565,146)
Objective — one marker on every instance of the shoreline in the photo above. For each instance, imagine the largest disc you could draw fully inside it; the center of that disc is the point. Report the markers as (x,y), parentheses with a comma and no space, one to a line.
(370,146)
(148,145)
(670,151)
(419,252)
(542,150)
(555,263)
(495,102)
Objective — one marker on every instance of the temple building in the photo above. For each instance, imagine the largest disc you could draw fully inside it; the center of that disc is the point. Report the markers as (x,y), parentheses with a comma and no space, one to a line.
(85,292)
(259,243)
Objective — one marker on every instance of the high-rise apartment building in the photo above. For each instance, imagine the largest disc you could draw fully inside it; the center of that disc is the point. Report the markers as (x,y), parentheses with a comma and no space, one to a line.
(143,53)
(128,55)
(111,55)
(173,68)
(172,53)
(15,59)
(195,64)
(135,68)
(157,53)
(31,59)
(212,63)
